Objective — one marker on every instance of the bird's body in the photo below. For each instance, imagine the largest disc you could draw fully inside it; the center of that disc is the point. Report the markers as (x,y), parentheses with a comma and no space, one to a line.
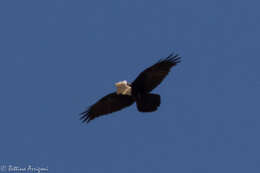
(138,91)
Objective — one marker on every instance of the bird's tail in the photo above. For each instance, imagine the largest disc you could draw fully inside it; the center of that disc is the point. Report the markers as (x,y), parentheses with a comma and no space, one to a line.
(148,102)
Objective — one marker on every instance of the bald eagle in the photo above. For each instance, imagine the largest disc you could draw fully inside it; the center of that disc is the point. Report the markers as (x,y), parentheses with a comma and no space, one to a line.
(137,91)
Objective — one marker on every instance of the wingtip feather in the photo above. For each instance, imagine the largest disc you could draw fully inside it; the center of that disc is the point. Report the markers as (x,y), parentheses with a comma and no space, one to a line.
(85,116)
(172,58)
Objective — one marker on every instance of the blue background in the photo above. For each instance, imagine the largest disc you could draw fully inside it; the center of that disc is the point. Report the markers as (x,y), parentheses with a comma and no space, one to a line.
(58,57)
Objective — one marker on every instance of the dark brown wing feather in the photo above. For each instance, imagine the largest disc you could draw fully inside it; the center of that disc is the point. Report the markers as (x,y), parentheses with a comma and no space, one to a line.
(108,104)
(154,75)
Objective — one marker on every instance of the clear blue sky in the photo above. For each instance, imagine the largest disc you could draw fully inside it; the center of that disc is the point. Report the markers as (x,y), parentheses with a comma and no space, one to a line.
(58,57)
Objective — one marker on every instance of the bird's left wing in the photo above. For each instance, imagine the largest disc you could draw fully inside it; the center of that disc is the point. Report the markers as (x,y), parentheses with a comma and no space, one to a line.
(110,103)
(154,75)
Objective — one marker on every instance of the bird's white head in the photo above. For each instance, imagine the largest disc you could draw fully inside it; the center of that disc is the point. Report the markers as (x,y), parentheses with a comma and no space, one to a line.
(123,88)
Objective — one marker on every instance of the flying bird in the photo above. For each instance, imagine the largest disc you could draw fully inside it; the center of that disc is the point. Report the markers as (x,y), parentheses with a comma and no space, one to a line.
(138,91)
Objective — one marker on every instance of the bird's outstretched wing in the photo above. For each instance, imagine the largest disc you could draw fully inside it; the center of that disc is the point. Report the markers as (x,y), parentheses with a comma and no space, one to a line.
(108,104)
(154,75)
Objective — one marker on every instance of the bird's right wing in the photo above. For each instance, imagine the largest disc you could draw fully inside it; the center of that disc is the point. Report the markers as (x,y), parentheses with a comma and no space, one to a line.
(108,104)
